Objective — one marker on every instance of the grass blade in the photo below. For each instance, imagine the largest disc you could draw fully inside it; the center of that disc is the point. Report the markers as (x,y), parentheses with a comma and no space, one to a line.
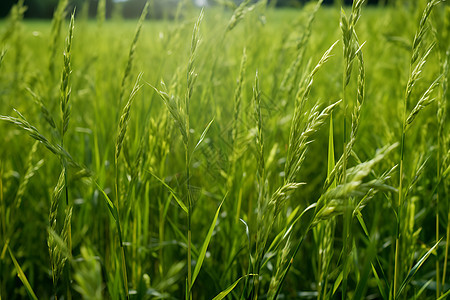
(113,209)
(202,137)
(180,203)
(414,269)
(228,290)
(444,296)
(202,253)
(379,284)
(22,276)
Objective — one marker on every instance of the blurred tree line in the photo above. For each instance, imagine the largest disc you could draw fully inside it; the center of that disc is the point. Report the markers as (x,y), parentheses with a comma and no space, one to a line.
(133,8)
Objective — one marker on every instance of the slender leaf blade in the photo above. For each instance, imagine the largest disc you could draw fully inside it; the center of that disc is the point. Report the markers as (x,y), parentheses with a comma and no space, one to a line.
(379,283)
(226,291)
(414,269)
(202,253)
(22,276)
(180,203)
(202,137)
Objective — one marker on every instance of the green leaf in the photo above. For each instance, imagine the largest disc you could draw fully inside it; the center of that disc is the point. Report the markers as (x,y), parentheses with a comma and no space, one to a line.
(226,291)
(202,253)
(361,221)
(113,210)
(180,203)
(338,281)
(444,296)
(362,285)
(380,285)
(22,276)
(422,289)
(414,269)
(202,137)
(109,203)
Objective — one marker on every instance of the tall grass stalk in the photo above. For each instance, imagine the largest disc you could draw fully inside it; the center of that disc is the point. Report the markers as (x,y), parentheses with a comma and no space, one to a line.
(418,58)
(65,92)
(122,128)
(288,82)
(235,130)
(233,176)
(58,18)
(351,48)
(441,148)
(131,54)
(269,207)
(180,112)
(191,77)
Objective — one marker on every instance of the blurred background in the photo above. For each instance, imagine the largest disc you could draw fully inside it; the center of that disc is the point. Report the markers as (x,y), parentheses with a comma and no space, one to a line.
(132,8)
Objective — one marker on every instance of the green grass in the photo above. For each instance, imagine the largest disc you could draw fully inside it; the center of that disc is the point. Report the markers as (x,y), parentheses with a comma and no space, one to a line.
(239,154)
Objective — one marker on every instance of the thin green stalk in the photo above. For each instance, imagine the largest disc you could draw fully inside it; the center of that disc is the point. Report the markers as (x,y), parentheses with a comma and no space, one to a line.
(441,116)
(447,242)
(58,18)
(122,128)
(350,48)
(399,204)
(65,90)
(189,214)
(417,63)
(191,77)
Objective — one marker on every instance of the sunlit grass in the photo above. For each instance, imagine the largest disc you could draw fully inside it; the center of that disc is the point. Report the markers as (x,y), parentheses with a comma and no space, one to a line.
(195,158)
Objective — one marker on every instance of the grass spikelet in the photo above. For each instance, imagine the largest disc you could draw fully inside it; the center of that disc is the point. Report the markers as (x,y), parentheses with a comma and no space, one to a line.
(238,14)
(339,167)
(424,101)
(125,116)
(262,201)
(415,74)
(173,106)
(287,85)
(282,261)
(191,76)
(422,30)
(348,34)
(314,122)
(295,136)
(131,53)
(238,100)
(353,186)
(58,17)
(65,88)
(331,203)
(45,112)
(259,134)
(22,123)
(58,246)
(31,170)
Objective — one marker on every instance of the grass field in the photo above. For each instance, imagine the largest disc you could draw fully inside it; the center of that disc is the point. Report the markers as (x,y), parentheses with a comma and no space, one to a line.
(254,153)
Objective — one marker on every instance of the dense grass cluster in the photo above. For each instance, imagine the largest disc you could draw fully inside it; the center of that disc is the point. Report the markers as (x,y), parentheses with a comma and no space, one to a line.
(244,153)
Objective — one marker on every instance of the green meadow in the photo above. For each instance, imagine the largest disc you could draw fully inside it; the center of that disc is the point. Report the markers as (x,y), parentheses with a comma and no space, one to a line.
(240,152)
